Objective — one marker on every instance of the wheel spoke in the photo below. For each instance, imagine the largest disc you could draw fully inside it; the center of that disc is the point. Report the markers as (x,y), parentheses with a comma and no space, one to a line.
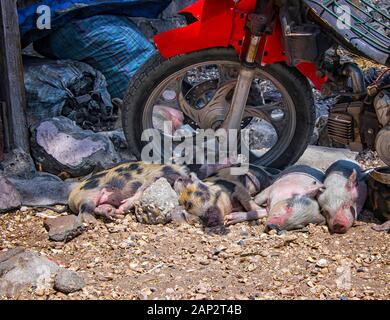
(273,113)
(217,104)
(227,73)
(202,93)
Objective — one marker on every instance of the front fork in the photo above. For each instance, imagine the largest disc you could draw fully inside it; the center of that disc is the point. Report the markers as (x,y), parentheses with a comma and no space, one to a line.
(241,92)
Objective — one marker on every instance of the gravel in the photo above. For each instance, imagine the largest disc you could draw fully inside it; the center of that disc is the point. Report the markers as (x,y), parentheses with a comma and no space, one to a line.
(128,260)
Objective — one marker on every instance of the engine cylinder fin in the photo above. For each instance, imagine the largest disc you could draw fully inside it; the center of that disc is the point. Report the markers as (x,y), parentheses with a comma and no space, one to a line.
(341,128)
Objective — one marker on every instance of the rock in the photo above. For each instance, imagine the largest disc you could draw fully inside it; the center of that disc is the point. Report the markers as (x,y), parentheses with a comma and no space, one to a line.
(202,288)
(64,228)
(322,157)
(156,203)
(18,164)
(322,263)
(59,146)
(43,189)
(118,139)
(21,269)
(67,281)
(262,135)
(127,243)
(9,196)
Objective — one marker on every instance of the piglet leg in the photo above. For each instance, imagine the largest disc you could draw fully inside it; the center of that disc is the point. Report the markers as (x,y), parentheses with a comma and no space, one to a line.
(237,217)
(382,227)
(128,203)
(108,212)
(86,211)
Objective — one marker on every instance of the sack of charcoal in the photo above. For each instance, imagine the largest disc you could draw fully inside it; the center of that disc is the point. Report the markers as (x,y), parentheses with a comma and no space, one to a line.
(68,88)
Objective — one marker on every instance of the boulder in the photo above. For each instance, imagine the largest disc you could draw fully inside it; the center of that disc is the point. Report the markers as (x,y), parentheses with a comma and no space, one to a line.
(21,270)
(9,196)
(322,157)
(118,139)
(157,203)
(18,164)
(43,189)
(60,146)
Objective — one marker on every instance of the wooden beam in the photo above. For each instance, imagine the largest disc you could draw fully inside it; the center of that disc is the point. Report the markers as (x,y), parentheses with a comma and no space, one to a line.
(2,138)
(12,91)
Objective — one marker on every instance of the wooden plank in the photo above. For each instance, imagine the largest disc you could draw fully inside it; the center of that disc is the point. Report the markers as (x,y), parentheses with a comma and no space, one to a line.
(11,77)
(2,147)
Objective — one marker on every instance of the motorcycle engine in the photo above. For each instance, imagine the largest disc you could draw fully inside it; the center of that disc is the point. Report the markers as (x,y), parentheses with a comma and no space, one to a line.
(364,123)
(382,108)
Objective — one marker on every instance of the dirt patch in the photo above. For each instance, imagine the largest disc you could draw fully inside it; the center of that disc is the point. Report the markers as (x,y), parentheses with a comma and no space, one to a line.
(128,260)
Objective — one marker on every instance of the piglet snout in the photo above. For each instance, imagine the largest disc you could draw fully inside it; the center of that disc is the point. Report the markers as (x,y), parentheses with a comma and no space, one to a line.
(339,228)
(271,226)
(341,223)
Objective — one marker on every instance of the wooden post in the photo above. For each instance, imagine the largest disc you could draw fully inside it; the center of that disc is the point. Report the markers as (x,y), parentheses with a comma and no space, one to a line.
(2,140)
(12,92)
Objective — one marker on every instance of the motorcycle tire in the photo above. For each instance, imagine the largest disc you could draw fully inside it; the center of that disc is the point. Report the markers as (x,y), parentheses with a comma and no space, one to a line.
(157,68)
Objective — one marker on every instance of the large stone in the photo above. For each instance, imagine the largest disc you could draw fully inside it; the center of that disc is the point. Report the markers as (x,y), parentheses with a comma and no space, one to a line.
(60,146)
(43,189)
(67,281)
(21,270)
(65,228)
(322,157)
(18,164)
(157,203)
(118,139)
(9,196)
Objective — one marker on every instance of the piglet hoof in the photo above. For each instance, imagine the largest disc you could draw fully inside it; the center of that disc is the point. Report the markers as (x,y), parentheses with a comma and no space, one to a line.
(235,217)
(88,219)
(119,216)
(382,227)
(111,217)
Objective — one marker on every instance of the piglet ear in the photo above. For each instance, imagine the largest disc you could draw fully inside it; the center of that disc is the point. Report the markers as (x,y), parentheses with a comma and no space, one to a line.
(180,184)
(194,177)
(314,189)
(351,183)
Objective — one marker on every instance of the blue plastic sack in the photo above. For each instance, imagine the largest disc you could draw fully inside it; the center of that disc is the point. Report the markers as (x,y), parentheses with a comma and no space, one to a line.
(64,11)
(111,44)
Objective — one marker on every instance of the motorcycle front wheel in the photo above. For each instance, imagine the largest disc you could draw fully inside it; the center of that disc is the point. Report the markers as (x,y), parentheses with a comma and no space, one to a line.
(193,92)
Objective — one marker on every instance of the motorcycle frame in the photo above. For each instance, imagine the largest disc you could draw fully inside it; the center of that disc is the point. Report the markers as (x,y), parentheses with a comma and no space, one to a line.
(223,23)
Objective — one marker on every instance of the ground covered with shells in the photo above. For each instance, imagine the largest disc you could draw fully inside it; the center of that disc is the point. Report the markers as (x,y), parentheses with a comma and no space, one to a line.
(129,260)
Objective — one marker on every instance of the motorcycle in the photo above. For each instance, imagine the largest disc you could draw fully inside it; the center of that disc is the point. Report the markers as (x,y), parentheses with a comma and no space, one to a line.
(247,64)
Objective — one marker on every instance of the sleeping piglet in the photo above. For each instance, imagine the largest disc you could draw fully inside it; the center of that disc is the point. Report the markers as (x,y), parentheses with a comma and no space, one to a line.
(290,200)
(344,196)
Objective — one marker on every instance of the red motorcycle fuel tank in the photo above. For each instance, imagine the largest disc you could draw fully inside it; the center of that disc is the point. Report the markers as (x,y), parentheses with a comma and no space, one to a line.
(222,23)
